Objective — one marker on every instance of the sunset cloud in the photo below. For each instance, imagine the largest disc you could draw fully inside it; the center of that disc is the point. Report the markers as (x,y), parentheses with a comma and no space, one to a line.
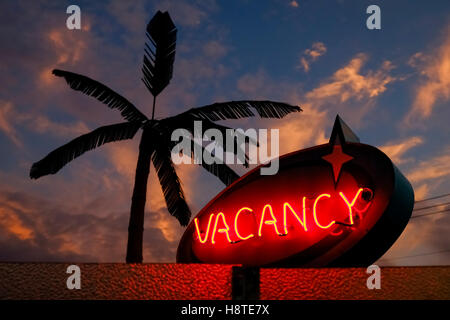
(434,168)
(6,112)
(311,55)
(434,85)
(350,82)
(10,221)
(424,234)
(68,48)
(303,131)
(349,90)
(396,150)
(10,118)
(293,4)
(421,192)
(36,229)
(421,236)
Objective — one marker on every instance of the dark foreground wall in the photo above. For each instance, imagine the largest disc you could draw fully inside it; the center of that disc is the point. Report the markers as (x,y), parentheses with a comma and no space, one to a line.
(197,281)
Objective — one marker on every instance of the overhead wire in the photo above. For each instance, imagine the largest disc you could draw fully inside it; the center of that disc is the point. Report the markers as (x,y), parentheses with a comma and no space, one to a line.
(416,255)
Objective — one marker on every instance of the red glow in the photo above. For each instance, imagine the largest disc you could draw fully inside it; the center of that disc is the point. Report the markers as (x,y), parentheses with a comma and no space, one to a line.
(269,218)
(302,222)
(207,229)
(350,205)
(337,158)
(322,201)
(222,230)
(315,211)
(327,203)
(272,222)
(236,224)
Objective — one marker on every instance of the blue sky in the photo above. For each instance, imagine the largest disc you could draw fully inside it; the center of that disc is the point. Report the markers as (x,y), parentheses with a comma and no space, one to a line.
(392,86)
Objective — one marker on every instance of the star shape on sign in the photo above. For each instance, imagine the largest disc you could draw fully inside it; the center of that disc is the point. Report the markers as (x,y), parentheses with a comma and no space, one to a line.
(337,158)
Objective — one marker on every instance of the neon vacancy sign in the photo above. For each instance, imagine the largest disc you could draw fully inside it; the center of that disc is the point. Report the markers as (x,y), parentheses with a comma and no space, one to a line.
(267,217)
(341,203)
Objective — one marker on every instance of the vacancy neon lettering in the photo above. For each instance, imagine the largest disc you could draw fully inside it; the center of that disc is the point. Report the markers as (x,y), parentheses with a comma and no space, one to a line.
(222,230)
(207,229)
(351,204)
(268,222)
(324,195)
(236,224)
(273,221)
(302,222)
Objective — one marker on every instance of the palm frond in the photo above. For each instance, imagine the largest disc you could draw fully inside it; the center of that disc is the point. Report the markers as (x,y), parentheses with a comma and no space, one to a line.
(58,158)
(159,52)
(102,93)
(186,121)
(220,170)
(170,183)
(242,109)
(166,126)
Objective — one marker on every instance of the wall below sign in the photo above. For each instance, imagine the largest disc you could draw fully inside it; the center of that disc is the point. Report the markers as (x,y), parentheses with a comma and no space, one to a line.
(199,281)
(350,283)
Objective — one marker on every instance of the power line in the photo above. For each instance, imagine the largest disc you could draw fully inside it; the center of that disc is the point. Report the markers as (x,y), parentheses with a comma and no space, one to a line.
(436,197)
(430,213)
(433,206)
(423,215)
(446,210)
(417,255)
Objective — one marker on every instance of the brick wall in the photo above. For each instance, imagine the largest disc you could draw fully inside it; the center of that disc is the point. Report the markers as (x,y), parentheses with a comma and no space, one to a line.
(201,281)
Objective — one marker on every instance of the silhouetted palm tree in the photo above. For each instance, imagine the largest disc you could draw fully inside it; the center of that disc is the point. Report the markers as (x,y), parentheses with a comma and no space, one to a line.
(155,144)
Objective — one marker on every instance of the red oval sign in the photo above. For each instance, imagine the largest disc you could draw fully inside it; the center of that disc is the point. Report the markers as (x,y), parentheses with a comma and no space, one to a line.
(341,203)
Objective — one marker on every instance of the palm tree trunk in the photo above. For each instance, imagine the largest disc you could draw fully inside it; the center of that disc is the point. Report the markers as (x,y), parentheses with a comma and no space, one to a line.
(136,224)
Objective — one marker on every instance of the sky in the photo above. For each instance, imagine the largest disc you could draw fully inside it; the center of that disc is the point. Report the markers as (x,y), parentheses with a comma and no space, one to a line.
(391,86)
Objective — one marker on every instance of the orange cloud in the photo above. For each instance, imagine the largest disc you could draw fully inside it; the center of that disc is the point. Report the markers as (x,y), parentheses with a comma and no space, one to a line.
(396,150)
(421,235)
(421,192)
(6,113)
(10,221)
(304,130)
(309,128)
(293,4)
(68,47)
(435,84)
(9,118)
(434,168)
(348,82)
(310,55)
(32,229)
(42,124)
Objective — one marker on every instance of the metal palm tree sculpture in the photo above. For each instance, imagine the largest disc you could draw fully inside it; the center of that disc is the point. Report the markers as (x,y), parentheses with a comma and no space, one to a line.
(155,145)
